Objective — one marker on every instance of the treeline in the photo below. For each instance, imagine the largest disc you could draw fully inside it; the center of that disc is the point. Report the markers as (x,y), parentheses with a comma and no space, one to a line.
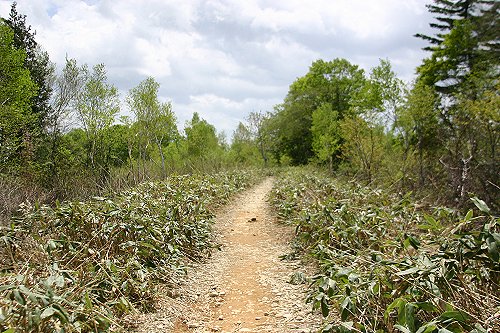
(62,136)
(438,135)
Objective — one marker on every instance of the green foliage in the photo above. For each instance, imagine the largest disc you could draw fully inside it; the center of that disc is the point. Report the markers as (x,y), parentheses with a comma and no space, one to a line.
(418,126)
(79,266)
(201,144)
(258,124)
(380,97)
(155,121)
(364,146)
(97,106)
(331,83)
(16,116)
(376,129)
(53,153)
(326,134)
(385,265)
(38,64)
(244,150)
(464,45)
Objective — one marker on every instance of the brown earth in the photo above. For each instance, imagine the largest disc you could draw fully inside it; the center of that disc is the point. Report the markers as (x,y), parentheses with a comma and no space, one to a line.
(245,286)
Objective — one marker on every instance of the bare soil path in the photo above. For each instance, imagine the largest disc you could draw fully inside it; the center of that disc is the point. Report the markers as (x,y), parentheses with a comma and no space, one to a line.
(245,286)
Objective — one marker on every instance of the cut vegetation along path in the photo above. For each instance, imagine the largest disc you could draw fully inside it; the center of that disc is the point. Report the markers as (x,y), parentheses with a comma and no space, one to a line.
(245,286)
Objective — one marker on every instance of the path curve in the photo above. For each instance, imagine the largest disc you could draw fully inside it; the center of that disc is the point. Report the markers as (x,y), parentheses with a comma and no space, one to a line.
(245,286)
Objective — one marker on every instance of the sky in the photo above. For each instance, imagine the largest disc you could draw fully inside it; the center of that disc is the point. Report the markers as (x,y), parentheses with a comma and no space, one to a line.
(225,58)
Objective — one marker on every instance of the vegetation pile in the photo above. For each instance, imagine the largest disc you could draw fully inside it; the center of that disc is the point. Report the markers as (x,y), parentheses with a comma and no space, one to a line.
(386,264)
(79,266)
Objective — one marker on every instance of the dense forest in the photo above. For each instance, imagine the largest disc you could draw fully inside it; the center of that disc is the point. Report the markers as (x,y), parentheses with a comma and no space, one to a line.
(62,137)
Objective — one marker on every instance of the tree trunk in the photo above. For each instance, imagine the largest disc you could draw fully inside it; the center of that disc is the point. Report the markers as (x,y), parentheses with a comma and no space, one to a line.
(162,156)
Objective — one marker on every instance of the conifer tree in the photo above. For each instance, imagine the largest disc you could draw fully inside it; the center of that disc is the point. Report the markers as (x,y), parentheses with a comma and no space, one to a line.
(465,45)
(36,61)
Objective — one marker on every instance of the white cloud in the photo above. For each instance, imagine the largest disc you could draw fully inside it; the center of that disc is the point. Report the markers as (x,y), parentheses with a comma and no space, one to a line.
(222,111)
(225,58)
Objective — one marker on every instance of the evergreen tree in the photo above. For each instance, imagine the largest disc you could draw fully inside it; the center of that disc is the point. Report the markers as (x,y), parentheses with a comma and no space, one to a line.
(16,91)
(465,45)
(464,68)
(36,61)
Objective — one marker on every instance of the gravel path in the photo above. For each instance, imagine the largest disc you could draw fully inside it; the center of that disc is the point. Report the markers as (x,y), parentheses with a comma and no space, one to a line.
(245,286)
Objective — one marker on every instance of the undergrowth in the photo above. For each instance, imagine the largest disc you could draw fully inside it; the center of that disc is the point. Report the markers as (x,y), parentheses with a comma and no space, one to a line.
(386,265)
(80,266)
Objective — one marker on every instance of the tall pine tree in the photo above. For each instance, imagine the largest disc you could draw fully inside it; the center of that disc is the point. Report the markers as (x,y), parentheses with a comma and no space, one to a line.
(36,61)
(464,68)
(464,47)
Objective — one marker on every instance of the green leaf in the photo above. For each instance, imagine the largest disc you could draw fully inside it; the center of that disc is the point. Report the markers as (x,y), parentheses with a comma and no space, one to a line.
(19,297)
(410,240)
(7,287)
(61,313)
(444,330)
(457,315)
(346,308)
(469,215)
(48,312)
(410,316)
(480,204)
(493,248)
(427,328)
(395,304)
(325,310)
(408,271)
(10,330)
(426,306)
(88,302)
(402,328)
(432,223)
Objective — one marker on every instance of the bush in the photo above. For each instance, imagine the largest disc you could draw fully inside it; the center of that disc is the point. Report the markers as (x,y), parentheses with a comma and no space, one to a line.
(386,265)
(78,266)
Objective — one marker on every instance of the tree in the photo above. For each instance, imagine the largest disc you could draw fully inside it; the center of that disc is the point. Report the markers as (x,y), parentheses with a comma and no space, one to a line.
(463,68)
(326,134)
(201,137)
(65,90)
(418,125)
(471,147)
(363,146)
(36,61)
(16,93)
(257,125)
(352,95)
(368,128)
(484,132)
(164,130)
(155,120)
(327,82)
(244,146)
(380,97)
(467,43)
(97,105)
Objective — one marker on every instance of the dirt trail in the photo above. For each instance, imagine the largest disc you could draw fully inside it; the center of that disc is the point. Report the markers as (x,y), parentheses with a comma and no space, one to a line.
(245,286)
